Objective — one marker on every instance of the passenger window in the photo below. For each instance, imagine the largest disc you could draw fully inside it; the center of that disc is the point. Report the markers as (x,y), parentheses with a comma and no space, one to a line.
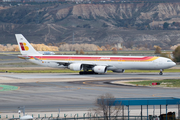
(169,60)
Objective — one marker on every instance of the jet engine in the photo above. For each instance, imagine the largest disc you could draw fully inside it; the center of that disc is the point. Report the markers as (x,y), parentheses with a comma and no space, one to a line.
(118,70)
(75,66)
(100,69)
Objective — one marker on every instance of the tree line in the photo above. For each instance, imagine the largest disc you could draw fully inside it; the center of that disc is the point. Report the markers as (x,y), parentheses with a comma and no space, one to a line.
(63,47)
(175,53)
(38,47)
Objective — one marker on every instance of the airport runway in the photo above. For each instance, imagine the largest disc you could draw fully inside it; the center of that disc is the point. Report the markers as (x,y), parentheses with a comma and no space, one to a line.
(101,76)
(50,91)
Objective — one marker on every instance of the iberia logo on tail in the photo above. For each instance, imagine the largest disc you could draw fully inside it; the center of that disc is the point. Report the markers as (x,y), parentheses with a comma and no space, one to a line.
(24,47)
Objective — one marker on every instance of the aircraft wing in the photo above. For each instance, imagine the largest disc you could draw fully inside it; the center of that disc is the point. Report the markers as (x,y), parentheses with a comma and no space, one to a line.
(66,63)
(94,64)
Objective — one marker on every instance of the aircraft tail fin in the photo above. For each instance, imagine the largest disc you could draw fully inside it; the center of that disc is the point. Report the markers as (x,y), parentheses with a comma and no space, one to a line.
(24,46)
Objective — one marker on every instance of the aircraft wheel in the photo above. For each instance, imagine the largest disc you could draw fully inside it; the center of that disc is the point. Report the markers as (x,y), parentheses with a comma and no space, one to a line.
(161,73)
(81,73)
(87,72)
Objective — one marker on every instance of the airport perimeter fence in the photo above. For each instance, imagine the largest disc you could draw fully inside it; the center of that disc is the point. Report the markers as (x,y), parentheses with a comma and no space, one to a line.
(93,117)
(102,118)
(111,118)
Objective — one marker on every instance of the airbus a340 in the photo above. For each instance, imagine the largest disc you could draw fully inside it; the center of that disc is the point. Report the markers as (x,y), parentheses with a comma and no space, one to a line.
(92,64)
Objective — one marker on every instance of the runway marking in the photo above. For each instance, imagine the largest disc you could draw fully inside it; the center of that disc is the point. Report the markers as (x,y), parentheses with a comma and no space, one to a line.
(8,88)
(86,83)
(68,87)
(60,86)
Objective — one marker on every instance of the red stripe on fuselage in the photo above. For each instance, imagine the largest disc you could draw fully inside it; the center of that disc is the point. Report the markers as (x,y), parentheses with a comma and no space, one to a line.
(92,58)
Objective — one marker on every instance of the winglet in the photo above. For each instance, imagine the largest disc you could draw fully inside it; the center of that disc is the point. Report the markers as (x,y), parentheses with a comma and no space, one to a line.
(24,46)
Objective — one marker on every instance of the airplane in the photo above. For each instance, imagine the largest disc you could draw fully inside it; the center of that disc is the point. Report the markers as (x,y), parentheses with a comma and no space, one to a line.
(46,52)
(91,64)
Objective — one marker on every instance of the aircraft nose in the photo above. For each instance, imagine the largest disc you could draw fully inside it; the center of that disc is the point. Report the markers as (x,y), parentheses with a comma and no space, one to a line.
(173,64)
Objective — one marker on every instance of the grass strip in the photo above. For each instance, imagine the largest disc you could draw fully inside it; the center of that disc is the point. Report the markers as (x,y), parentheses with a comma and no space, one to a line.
(163,83)
(70,71)
(150,71)
(40,71)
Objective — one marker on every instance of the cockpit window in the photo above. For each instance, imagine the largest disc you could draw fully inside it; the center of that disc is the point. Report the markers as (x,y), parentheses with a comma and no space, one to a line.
(169,60)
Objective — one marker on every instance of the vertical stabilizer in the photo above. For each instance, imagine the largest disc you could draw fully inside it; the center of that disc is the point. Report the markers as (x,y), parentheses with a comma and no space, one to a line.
(24,46)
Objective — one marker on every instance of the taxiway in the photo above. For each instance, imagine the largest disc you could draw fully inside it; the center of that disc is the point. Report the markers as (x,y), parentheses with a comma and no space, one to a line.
(50,91)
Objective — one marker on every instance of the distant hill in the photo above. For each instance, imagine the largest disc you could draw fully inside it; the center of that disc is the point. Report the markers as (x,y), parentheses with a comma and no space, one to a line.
(132,24)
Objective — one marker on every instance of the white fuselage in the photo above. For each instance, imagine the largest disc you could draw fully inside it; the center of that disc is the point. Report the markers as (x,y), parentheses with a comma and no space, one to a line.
(159,63)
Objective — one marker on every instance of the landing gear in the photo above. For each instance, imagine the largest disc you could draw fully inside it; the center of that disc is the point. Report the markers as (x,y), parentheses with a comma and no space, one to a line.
(161,72)
(87,72)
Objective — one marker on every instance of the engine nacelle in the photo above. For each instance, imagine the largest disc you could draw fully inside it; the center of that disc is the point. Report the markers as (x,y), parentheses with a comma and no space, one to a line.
(100,69)
(75,66)
(118,70)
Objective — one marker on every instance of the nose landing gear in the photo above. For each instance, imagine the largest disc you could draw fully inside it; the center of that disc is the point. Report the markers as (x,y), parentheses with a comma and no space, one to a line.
(161,72)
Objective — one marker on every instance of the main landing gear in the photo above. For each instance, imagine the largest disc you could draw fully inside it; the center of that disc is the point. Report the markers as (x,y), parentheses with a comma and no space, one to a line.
(161,72)
(87,72)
